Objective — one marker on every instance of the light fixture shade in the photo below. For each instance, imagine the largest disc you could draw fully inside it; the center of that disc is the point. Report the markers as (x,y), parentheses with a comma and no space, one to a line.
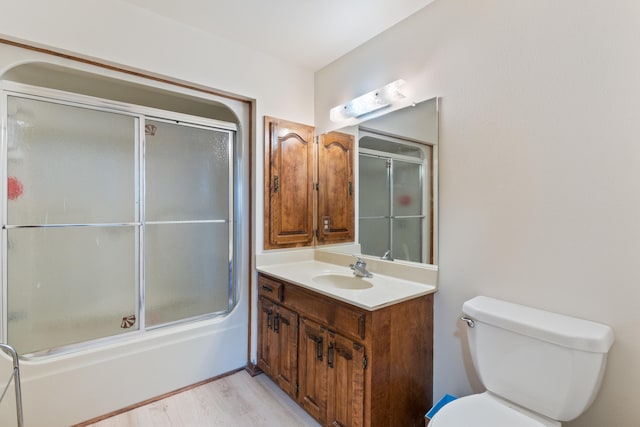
(369,102)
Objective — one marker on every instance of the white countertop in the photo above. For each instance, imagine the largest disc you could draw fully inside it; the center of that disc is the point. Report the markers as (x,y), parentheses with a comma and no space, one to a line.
(383,290)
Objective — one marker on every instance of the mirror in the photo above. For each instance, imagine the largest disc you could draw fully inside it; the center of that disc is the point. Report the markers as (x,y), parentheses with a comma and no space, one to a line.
(396,184)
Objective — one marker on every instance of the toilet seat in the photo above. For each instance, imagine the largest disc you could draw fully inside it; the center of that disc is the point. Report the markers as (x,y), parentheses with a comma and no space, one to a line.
(486,410)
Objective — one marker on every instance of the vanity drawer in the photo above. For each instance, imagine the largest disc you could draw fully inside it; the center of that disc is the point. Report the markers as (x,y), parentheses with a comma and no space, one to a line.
(334,314)
(270,288)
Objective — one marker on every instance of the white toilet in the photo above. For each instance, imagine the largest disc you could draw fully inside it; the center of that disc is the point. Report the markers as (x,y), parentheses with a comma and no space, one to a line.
(539,368)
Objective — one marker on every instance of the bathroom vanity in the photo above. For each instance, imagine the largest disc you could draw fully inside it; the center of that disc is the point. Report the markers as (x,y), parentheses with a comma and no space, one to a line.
(351,351)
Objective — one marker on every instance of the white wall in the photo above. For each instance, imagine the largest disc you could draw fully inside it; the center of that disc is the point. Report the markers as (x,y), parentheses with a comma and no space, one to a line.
(71,389)
(539,165)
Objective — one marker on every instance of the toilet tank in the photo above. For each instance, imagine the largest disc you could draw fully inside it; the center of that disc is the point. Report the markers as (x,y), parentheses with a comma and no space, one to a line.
(546,362)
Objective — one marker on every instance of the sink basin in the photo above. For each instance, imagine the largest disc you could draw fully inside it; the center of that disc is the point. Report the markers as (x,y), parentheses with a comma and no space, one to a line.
(342,281)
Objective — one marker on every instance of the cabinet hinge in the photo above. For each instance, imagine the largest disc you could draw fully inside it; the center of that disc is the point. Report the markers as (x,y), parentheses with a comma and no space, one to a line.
(297,388)
(365,362)
(316,186)
(315,232)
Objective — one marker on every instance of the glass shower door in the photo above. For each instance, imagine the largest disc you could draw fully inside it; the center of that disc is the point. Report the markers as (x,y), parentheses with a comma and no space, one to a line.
(391,205)
(69,230)
(407,210)
(188,225)
(373,204)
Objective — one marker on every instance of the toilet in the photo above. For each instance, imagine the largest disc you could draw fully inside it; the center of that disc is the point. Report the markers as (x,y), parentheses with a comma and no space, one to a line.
(539,368)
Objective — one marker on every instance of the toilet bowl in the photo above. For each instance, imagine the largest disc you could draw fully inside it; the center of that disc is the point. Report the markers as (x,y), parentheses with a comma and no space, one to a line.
(539,368)
(486,410)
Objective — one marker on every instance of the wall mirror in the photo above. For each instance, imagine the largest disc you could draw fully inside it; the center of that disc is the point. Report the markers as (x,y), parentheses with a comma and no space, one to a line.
(396,184)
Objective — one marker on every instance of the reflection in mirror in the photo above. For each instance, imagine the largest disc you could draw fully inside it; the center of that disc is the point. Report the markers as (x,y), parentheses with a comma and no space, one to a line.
(397,184)
(394,203)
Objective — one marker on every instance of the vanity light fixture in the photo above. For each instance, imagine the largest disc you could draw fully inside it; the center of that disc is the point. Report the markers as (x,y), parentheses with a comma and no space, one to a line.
(369,102)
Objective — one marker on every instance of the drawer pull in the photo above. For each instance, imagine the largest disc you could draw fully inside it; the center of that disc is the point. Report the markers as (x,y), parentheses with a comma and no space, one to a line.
(267,288)
(330,352)
(319,350)
(276,323)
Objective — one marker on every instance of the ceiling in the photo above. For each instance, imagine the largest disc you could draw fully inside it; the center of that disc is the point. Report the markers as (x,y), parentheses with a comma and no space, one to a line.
(310,33)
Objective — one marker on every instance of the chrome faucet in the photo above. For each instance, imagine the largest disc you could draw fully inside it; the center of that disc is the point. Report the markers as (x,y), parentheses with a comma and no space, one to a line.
(387,256)
(360,268)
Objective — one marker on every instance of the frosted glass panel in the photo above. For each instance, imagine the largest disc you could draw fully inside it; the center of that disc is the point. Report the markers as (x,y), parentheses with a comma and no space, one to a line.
(407,239)
(187,172)
(69,165)
(374,187)
(68,285)
(374,236)
(187,271)
(384,144)
(407,188)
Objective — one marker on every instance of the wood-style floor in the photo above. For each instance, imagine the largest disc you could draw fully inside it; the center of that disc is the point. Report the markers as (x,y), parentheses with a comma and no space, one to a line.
(237,400)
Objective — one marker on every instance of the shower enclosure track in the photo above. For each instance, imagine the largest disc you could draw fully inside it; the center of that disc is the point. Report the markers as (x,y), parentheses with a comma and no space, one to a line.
(15,376)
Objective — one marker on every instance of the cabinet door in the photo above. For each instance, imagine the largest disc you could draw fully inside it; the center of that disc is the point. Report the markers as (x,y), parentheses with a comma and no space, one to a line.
(312,369)
(288,184)
(345,360)
(285,328)
(278,344)
(267,345)
(335,188)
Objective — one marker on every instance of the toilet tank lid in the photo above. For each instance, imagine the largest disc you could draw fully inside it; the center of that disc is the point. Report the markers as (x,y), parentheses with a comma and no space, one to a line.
(556,328)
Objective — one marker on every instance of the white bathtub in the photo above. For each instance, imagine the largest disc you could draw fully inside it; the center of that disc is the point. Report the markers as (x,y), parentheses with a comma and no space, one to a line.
(67,389)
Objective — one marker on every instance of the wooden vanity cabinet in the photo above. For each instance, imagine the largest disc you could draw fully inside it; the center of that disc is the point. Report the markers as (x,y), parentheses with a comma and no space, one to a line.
(353,367)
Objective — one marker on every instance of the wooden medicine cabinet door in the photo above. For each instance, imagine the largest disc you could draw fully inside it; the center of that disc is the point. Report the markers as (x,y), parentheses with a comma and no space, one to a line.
(335,188)
(288,184)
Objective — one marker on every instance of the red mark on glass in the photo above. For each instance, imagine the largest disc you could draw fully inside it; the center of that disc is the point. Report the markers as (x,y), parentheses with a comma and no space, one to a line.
(405,200)
(14,188)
